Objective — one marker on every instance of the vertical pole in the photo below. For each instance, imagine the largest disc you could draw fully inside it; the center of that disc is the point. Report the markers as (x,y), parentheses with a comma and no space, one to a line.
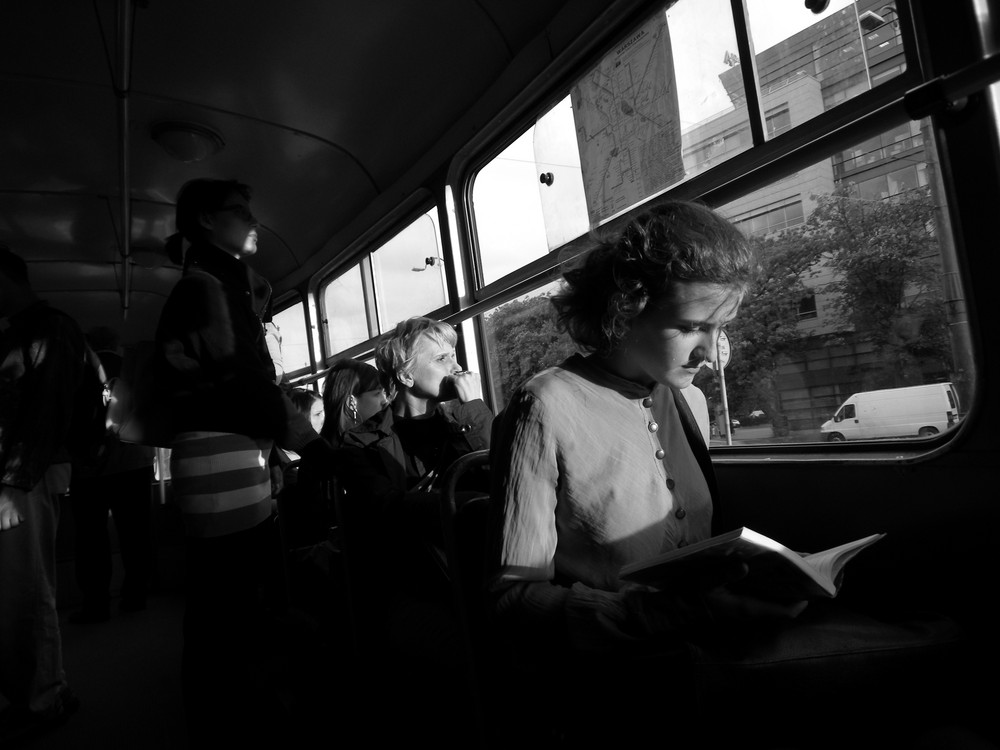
(725,401)
(864,47)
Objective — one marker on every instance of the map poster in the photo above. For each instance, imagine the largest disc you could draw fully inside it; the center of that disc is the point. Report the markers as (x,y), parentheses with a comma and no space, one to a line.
(627,123)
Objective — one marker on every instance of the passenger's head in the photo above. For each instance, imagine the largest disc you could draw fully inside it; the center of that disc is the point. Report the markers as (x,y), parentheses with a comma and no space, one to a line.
(14,283)
(353,393)
(218,212)
(309,404)
(417,358)
(654,298)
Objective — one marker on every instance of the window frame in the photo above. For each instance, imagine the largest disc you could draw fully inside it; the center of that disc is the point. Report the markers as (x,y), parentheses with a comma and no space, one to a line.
(866,115)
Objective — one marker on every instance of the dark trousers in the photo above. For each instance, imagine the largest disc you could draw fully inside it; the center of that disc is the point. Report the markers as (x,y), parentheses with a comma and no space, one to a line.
(128,495)
(227,642)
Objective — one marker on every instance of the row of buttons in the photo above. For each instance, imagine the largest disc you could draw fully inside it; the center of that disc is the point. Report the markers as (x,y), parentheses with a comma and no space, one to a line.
(653,427)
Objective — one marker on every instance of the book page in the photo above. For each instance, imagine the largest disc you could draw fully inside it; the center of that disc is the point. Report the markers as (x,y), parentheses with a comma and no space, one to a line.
(830,563)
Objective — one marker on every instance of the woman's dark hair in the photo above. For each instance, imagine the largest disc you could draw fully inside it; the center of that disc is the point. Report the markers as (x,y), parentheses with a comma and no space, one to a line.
(346,378)
(195,198)
(605,289)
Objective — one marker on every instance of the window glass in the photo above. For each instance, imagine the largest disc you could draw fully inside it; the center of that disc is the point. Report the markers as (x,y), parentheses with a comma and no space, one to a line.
(522,339)
(668,102)
(345,310)
(536,179)
(294,337)
(409,272)
(627,130)
(859,297)
(825,58)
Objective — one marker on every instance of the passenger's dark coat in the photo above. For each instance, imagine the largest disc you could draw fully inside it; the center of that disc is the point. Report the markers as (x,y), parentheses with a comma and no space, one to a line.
(214,371)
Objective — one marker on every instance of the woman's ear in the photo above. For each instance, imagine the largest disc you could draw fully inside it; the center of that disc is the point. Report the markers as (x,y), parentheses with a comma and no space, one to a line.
(404,379)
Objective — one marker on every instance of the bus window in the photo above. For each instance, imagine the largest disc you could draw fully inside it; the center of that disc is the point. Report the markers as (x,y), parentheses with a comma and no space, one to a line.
(294,338)
(522,339)
(403,277)
(612,142)
(826,59)
(345,310)
(869,245)
(409,272)
(861,290)
(537,179)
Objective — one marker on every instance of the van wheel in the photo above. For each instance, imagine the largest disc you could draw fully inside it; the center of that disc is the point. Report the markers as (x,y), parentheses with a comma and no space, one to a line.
(927,431)
(835,437)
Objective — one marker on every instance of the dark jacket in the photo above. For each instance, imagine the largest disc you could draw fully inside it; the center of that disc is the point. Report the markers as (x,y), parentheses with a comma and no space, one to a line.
(390,470)
(213,368)
(42,363)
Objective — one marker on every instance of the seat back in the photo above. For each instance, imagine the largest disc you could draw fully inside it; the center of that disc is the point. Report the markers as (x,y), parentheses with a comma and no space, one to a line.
(464,520)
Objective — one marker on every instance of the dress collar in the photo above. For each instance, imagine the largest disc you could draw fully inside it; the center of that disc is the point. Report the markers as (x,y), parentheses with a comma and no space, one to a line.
(589,367)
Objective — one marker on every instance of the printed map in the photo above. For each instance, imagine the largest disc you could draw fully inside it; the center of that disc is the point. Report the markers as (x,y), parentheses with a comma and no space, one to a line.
(627,123)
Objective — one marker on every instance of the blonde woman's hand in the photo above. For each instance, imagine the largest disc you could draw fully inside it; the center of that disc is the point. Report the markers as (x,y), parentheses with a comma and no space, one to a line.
(467,386)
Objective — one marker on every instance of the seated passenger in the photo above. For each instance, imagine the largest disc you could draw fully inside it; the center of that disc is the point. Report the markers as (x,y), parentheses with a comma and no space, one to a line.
(388,466)
(603,461)
(353,393)
(436,415)
(310,405)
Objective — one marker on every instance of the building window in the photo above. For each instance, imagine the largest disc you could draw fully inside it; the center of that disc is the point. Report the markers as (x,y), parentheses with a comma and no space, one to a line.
(777,121)
(807,307)
(772,220)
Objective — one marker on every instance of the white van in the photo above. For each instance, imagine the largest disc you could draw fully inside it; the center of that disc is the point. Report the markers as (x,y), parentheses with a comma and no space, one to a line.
(915,411)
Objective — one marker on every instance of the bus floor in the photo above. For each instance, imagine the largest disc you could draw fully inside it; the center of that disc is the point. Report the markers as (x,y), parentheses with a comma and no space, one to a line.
(126,670)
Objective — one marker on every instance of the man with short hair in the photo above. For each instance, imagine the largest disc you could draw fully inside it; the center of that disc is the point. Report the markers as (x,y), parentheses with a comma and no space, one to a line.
(42,356)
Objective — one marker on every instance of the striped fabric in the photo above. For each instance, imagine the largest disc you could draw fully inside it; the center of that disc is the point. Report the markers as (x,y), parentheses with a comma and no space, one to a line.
(221,482)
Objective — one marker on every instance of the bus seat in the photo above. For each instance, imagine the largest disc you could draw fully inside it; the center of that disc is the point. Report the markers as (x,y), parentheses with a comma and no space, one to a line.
(464,517)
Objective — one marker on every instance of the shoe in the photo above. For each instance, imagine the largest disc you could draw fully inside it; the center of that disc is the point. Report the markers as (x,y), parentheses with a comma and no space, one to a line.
(89,615)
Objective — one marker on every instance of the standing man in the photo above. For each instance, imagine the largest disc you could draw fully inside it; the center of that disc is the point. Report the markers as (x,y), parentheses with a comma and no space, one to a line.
(41,367)
(217,377)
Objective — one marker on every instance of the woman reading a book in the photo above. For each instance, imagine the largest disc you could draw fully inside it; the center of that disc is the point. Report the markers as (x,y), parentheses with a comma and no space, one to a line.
(603,460)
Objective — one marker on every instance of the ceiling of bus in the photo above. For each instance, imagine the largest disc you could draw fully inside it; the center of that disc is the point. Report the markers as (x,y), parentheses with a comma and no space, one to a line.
(323,108)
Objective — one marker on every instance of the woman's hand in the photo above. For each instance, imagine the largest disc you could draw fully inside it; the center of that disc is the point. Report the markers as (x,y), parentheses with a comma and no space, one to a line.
(726,605)
(467,386)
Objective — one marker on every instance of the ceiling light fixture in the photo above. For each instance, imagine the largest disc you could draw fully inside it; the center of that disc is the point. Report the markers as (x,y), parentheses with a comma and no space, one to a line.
(187,141)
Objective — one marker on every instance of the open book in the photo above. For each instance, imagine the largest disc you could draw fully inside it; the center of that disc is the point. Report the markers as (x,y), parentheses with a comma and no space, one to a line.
(775,571)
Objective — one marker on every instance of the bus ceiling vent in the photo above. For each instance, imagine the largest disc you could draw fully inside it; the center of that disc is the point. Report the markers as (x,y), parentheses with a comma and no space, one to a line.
(187,141)
(817,6)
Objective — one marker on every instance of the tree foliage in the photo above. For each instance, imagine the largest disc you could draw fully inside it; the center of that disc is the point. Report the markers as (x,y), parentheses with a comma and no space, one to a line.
(525,339)
(766,329)
(887,289)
